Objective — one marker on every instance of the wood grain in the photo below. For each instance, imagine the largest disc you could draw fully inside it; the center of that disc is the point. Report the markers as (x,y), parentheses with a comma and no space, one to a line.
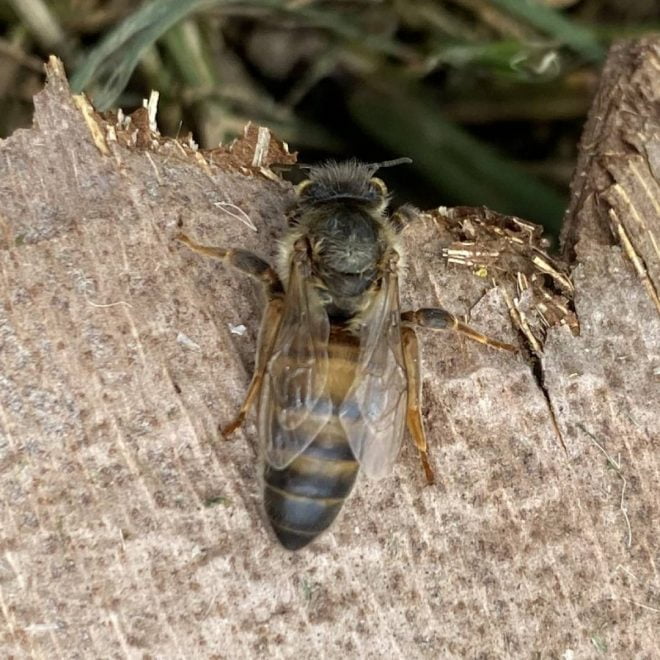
(128,528)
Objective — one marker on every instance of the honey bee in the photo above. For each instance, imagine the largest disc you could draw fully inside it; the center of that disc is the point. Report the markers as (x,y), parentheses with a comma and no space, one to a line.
(337,372)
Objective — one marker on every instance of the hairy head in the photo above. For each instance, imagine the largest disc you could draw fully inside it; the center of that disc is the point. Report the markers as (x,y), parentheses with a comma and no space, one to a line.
(347,180)
(340,214)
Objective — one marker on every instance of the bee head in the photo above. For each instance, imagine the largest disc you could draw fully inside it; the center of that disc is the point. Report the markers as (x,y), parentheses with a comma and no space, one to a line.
(349,180)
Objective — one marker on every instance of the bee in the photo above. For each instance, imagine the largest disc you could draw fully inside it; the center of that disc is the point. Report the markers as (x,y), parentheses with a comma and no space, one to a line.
(337,373)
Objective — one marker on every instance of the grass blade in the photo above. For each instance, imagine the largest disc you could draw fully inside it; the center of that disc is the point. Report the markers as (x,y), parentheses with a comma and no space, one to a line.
(112,62)
(552,23)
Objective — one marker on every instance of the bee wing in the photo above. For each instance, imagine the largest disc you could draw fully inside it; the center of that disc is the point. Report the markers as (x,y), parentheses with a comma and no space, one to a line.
(374,410)
(294,404)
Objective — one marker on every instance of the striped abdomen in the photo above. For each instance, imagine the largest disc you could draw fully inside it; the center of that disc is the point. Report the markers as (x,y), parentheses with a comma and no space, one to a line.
(303,499)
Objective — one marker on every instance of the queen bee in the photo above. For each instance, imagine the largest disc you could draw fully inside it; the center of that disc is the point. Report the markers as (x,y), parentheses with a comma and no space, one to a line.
(337,374)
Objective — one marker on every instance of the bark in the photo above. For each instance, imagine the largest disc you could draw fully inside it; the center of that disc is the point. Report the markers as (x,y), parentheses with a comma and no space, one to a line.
(129,528)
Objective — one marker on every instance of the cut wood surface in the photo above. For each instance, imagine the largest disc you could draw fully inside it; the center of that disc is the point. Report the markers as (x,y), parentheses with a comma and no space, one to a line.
(129,528)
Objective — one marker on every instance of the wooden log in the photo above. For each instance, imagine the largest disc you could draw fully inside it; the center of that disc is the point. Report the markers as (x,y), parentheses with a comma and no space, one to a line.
(127,523)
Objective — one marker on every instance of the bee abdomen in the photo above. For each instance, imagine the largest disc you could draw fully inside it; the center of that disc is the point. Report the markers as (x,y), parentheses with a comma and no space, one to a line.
(303,499)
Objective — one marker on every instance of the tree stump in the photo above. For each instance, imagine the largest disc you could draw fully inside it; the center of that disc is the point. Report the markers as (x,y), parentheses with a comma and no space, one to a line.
(129,527)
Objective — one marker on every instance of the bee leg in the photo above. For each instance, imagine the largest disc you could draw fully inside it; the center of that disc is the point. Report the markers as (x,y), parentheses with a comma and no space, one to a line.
(414,412)
(267,333)
(242,260)
(403,216)
(441,319)
(260,270)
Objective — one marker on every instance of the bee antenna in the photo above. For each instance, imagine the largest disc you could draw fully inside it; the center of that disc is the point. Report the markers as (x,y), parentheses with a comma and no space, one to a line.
(372,166)
(390,163)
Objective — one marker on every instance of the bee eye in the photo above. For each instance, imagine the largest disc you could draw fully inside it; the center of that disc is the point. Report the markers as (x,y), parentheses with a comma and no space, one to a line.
(302,187)
(379,186)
